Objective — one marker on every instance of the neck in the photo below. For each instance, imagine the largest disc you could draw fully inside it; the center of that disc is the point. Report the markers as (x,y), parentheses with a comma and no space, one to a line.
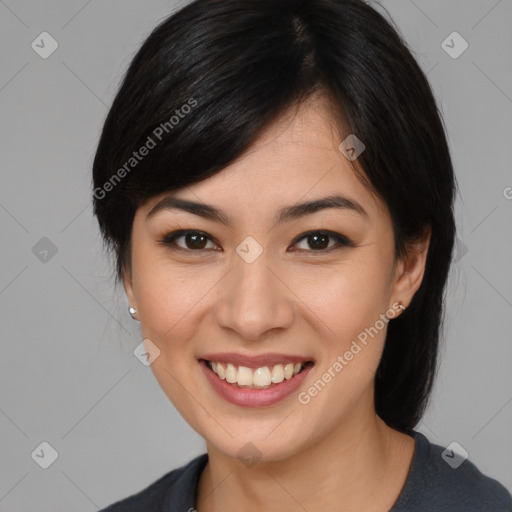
(360,465)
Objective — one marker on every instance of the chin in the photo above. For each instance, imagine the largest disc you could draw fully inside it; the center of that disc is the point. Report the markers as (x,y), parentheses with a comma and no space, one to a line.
(257,446)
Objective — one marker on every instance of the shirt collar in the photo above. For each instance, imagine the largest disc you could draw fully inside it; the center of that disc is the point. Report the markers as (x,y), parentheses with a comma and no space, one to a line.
(182,494)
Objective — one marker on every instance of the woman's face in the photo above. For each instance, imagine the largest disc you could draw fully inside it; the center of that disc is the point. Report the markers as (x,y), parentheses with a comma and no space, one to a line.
(253,283)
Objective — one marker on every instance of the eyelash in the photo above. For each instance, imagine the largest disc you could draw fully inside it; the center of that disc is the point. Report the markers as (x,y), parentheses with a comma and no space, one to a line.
(342,241)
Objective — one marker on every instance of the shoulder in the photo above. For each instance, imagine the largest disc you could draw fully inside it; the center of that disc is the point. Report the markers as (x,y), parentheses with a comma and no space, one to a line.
(155,496)
(442,481)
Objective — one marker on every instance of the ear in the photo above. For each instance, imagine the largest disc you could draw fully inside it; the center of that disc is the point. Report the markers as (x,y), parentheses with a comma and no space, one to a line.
(128,288)
(410,269)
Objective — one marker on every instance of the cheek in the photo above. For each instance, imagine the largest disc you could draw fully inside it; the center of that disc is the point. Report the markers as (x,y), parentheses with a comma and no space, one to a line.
(348,303)
(348,297)
(347,306)
(164,301)
(170,300)
(169,295)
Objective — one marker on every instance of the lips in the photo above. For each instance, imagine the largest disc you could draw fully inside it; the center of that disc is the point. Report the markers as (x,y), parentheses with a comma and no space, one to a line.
(269,382)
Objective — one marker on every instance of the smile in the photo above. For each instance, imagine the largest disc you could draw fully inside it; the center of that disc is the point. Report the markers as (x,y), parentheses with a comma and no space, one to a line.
(258,378)
(259,386)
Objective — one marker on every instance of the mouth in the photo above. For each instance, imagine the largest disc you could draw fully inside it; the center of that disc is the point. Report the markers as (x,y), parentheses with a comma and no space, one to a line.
(248,382)
(262,377)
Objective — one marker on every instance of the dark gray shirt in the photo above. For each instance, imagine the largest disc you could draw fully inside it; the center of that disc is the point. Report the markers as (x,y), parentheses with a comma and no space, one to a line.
(432,485)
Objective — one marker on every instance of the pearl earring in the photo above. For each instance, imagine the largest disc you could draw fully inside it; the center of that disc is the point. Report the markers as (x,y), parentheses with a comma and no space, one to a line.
(132,312)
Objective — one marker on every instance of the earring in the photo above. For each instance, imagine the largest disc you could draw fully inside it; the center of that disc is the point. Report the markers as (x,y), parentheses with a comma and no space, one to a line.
(401,306)
(132,312)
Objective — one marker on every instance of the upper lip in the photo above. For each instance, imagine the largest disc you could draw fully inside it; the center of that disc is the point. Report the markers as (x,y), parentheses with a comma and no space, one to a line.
(269,359)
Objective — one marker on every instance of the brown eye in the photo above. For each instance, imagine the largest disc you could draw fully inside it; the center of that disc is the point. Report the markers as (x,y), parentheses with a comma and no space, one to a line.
(192,240)
(195,241)
(318,241)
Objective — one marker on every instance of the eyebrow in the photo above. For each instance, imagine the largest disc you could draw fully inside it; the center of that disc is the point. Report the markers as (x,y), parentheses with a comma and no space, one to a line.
(286,214)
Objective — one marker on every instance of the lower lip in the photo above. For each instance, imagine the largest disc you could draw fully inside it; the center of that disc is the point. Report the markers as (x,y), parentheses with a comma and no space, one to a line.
(246,397)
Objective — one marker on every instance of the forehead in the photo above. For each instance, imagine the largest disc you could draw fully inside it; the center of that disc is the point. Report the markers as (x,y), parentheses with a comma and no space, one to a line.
(295,159)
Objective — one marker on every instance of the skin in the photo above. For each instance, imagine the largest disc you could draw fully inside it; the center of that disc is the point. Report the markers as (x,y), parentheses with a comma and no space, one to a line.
(306,301)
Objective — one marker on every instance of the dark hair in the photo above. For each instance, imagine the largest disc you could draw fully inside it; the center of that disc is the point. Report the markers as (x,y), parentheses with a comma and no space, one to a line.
(213,75)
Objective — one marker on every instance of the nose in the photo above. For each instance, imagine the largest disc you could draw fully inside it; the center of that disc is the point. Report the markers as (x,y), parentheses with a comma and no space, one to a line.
(253,299)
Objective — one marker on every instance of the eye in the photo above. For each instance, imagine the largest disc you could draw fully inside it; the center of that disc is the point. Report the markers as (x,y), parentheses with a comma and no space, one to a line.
(318,241)
(193,240)
(196,241)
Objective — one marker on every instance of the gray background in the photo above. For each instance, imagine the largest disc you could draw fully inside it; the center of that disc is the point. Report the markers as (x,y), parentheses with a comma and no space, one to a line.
(68,375)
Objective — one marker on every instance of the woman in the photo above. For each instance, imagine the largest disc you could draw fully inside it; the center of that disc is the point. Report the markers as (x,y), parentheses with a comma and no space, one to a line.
(275,185)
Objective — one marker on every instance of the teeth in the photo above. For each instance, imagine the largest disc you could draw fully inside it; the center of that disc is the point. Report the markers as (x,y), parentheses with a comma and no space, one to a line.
(262,377)
(288,371)
(231,374)
(219,370)
(278,374)
(244,376)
